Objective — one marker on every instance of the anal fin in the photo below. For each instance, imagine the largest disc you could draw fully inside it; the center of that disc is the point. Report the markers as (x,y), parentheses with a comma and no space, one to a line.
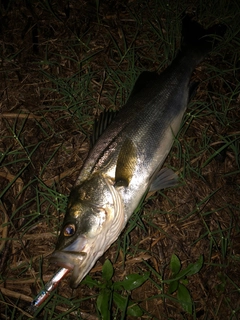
(165,178)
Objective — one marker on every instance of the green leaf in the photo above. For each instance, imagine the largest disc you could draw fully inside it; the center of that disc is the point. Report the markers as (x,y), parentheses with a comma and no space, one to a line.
(173,286)
(134,310)
(123,303)
(184,298)
(91,282)
(107,270)
(103,306)
(132,281)
(120,301)
(175,265)
(184,281)
(191,269)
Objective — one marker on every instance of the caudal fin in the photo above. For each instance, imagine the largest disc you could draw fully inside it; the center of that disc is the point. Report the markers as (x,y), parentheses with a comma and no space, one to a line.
(196,39)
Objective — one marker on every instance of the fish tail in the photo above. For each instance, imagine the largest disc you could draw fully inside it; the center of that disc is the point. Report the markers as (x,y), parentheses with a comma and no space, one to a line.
(196,40)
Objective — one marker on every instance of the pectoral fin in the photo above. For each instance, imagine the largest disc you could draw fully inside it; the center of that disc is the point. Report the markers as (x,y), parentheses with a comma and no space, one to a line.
(164,179)
(126,163)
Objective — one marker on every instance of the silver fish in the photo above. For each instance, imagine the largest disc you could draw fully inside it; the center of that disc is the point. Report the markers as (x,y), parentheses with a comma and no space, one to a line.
(126,160)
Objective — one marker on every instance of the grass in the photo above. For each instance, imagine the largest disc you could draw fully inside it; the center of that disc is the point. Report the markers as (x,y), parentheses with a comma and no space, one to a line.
(89,57)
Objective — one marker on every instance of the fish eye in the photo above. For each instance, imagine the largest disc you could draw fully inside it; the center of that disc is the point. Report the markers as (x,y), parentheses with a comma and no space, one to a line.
(69,230)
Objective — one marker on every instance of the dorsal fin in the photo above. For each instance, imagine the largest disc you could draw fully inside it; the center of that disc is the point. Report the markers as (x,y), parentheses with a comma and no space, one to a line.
(100,124)
(126,163)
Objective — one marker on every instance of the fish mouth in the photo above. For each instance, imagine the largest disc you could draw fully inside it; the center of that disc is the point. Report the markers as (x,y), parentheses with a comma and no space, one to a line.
(67,259)
(71,258)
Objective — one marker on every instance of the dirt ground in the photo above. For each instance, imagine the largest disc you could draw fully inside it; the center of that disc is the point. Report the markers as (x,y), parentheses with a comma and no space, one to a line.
(62,63)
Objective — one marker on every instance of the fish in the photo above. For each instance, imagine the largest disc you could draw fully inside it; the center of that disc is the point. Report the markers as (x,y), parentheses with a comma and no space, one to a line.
(126,160)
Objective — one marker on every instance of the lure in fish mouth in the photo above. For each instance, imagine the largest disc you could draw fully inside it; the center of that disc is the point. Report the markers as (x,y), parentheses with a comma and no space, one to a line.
(126,160)
(93,221)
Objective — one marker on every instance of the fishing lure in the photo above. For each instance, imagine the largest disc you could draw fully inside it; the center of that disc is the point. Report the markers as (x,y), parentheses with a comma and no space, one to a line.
(48,288)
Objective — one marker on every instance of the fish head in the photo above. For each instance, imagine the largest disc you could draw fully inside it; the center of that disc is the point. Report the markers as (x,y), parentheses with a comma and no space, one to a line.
(93,221)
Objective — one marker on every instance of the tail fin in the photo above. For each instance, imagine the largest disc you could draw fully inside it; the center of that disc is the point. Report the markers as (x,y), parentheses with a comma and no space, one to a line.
(197,39)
